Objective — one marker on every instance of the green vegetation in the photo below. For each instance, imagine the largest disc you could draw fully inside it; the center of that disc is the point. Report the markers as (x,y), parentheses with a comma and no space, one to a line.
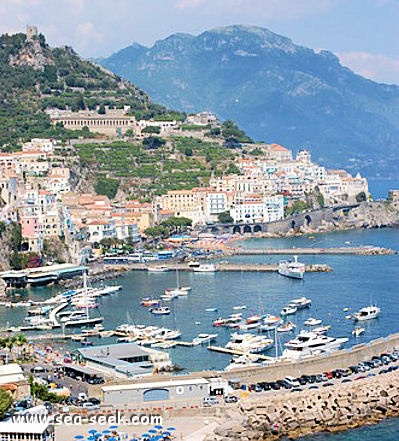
(151,129)
(106,186)
(296,207)
(231,133)
(63,80)
(5,401)
(225,218)
(42,393)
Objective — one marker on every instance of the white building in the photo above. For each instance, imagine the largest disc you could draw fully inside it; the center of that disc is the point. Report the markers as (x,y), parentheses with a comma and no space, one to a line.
(267,209)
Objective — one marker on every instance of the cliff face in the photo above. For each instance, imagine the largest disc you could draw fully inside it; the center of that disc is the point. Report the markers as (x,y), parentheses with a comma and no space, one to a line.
(330,409)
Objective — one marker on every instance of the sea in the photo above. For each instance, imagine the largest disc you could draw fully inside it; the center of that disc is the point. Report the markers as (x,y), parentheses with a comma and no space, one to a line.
(356,281)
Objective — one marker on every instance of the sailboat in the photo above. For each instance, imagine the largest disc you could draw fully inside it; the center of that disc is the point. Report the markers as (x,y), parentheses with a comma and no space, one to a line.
(179,290)
(85,320)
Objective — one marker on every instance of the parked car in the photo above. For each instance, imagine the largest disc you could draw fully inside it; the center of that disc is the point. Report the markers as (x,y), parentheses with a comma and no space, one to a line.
(230,399)
(94,400)
(90,406)
(292,381)
(38,370)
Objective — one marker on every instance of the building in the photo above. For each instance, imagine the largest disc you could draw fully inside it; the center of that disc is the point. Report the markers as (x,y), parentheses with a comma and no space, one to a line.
(250,210)
(127,360)
(176,389)
(38,431)
(115,122)
(12,379)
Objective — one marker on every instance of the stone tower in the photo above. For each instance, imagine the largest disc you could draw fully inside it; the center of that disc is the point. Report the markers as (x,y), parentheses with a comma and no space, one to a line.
(31,32)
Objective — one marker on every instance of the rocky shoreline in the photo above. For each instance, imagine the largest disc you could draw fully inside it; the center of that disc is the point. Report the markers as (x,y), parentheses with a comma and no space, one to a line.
(327,409)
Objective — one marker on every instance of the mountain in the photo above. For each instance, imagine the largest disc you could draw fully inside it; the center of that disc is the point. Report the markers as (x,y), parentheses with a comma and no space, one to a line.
(276,90)
(34,76)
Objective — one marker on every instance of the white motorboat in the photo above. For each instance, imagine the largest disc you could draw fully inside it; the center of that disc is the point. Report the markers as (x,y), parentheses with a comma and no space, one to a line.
(164,344)
(167,334)
(193,264)
(300,303)
(109,289)
(158,269)
(205,268)
(358,331)
(249,326)
(321,329)
(249,343)
(271,320)
(239,307)
(288,310)
(312,322)
(161,310)
(169,296)
(286,327)
(241,361)
(295,269)
(71,315)
(367,313)
(203,339)
(308,343)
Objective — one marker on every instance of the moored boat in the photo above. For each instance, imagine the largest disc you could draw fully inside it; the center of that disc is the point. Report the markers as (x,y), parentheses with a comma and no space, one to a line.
(203,338)
(205,268)
(312,322)
(294,270)
(288,310)
(367,313)
(300,303)
(358,331)
(286,327)
(158,269)
(161,310)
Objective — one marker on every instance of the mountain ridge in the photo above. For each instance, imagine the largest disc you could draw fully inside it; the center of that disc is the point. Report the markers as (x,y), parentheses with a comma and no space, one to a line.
(276,90)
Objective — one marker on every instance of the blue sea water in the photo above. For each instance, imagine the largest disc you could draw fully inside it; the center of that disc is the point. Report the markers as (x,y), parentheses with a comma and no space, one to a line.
(354,282)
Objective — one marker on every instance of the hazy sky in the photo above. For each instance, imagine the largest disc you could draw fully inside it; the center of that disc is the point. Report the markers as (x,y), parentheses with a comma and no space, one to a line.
(364,34)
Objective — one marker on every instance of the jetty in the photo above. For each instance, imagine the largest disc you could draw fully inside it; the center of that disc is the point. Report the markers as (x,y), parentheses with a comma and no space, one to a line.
(362,250)
(225,266)
(237,352)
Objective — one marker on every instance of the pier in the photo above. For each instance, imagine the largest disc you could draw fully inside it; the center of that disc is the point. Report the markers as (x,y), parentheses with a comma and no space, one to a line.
(363,251)
(225,266)
(236,352)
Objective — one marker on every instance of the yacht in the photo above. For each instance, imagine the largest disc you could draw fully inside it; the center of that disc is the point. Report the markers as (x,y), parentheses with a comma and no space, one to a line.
(161,310)
(300,303)
(251,343)
(321,329)
(203,339)
(147,301)
(219,322)
(288,310)
(248,326)
(205,268)
(239,307)
(270,322)
(308,343)
(367,313)
(312,322)
(294,269)
(242,361)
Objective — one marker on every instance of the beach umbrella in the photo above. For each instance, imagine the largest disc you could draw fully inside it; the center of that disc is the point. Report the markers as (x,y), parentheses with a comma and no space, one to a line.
(91,438)
(158,427)
(97,435)
(79,437)
(171,428)
(152,431)
(106,431)
(166,433)
(113,427)
(93,431)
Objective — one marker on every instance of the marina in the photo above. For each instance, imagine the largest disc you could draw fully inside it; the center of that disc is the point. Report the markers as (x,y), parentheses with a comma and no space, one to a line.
(354,280)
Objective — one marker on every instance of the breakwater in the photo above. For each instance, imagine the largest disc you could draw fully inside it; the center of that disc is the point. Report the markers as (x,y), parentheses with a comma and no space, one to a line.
(363,251)
(330,409)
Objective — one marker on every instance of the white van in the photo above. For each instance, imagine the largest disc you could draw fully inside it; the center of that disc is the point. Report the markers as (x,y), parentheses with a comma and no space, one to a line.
(210,401)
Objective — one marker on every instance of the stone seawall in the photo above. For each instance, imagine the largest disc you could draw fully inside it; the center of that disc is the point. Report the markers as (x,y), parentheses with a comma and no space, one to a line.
(327,409)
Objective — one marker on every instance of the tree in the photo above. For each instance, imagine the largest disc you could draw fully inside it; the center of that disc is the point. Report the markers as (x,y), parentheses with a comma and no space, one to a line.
(225,218)
(151,129)
(5,401)
(361,197)
(153,142)
(156,232)
(176,223)
(101,110)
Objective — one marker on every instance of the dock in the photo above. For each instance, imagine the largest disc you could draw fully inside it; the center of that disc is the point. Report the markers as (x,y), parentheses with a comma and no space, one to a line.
(225,266)
(235,352)
(362,250)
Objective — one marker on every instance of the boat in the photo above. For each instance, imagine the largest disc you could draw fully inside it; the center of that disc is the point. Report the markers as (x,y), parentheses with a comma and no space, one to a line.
(205,268)
(148,302)
(238,308)
(167,334)
(179,290)
(164,344)
(249,343)
(269,319)
(168,297)
(358,331)
(203,339)
(234,318)
(294,270)
(108,289)
(253,319)
(286,327)
(86,342)
(161,310)
(193,264)
(158,269)
(241,361)
(211,309)
(219,322)
(321,329)
(248,326)
(312,322)
(307,343)
(300,303)
(367,313)
(288,310)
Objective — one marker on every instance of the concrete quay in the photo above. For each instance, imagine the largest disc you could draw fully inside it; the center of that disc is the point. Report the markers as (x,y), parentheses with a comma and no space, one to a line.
(364,251)
(225,266)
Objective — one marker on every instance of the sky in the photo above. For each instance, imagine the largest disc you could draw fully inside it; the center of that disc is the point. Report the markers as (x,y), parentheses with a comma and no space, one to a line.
(364,34)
